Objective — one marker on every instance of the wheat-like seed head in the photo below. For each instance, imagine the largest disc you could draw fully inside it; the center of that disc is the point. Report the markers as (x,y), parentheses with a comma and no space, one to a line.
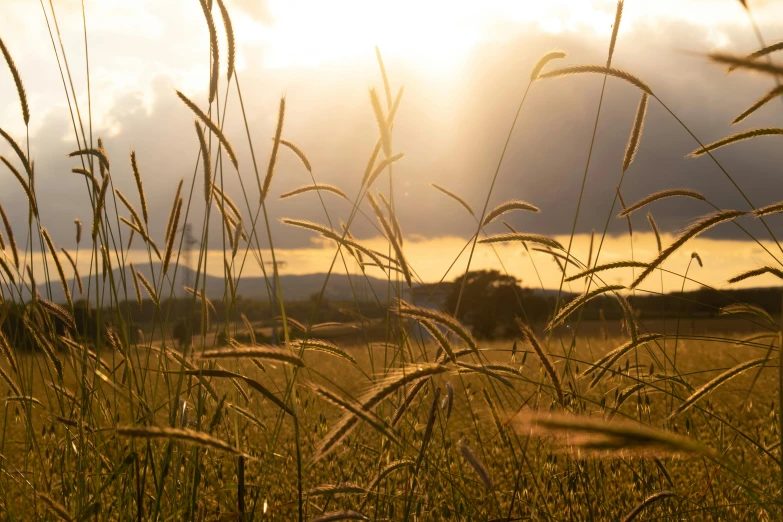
(615,28)
(734,138)
(139,187)
(315,187)
(330,234)
(299,154)
(212,126)
(508,206)
(745,308)
(606,266)
(590,250)
(11,384)
(663,194)
(572,306)
(10,233)
(172,236)
(249,416)
(213,46)
(715,383)
(135,229)
(101,166)
(322,345)
(129,206)
(25,186)
(94,185)
(395,243)
(636,132)
(398,413)
(57,311)
(197,438)
(31,280)
(345,514)
(205,160)
(440,318)
(18,150)
(757,272)
(136,284)
(750,63)
(17,81)
(383,126)
(384,472)
(275,147)
(499,425)
(382,166)
(292,323)
(599,368)
(58,265)
(392,217)
(148,287)
(6,269)
(78,223)
(595,434)
(448,400)
(229,38)
(173,210)
(692,231)
(355,412)
(258,352)
(477,466)
(225,199)
(771,95)
(229,279)
(368,170)
(345,488)
(454,197)
(386,86)
(599,69)
(543,357)
(37,335)
(5,347)
(98,154)
(100,203)
(774,208)
(54,507)
(443,342)
(518,236)
(484,369)
(759,53)
(651,499)
(543,61)
(237,236)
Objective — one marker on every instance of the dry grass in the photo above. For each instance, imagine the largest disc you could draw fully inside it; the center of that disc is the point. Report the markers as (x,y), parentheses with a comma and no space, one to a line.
(109,418)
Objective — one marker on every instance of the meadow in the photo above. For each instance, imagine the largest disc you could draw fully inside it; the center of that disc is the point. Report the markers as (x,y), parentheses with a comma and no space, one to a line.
(417,417)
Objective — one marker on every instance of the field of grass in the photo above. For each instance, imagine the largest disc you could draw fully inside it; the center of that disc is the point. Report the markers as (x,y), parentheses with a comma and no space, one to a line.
(541,477)
(630,420)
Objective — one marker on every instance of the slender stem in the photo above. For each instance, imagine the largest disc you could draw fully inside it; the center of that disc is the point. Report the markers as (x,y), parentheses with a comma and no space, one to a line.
(489,195)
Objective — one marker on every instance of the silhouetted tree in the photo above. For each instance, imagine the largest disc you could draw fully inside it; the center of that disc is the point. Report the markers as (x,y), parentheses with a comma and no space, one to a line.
(489,304)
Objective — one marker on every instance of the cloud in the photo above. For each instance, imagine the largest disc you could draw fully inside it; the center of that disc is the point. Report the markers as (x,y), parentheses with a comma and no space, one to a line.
(452,128)
(258,10)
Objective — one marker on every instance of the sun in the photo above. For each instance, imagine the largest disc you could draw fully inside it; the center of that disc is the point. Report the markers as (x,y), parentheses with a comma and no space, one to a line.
(435,36)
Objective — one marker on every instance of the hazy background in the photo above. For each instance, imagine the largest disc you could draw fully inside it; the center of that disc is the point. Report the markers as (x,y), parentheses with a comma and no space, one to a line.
(464,66)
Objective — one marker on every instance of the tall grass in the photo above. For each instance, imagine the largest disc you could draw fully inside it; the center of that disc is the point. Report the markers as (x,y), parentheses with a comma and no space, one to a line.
(106,418)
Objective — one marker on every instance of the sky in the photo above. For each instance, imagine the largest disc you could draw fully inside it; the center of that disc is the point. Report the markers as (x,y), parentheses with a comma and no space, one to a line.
(464,66)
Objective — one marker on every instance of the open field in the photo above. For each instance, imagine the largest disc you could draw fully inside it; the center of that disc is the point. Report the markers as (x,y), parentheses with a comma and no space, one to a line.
(127,394)
(545,477)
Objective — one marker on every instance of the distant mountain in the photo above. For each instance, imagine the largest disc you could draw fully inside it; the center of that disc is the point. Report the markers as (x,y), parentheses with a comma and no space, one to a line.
(294,287)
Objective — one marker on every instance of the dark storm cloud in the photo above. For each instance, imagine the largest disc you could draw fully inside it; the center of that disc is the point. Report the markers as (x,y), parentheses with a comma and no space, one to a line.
(452,135)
